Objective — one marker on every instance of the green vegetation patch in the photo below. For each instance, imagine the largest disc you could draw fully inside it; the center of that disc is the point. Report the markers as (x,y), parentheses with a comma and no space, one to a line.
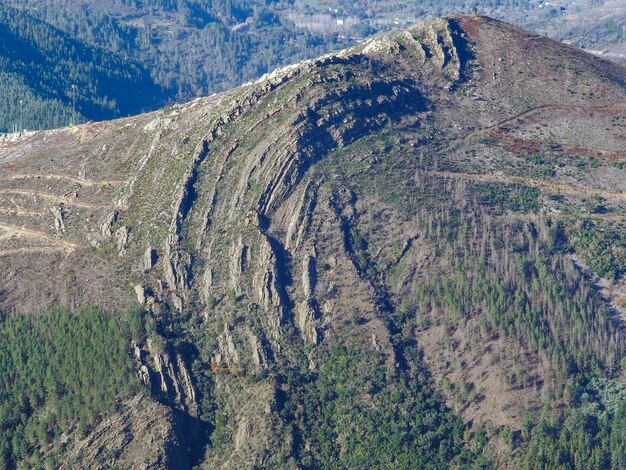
(513,197)
(620,164)
(45,71)
(519,283)
(59,372)
(589,436)
(352,414)
(603,248)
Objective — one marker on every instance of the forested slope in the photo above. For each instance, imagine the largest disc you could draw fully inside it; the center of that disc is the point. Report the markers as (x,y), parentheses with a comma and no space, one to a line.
(40,64)
(128,57)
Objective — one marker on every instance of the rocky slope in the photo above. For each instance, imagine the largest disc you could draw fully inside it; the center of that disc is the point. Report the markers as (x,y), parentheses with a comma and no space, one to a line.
(317,208)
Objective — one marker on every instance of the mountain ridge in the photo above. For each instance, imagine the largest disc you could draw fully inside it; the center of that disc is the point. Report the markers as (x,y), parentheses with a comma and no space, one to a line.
(405,218)
(52,78)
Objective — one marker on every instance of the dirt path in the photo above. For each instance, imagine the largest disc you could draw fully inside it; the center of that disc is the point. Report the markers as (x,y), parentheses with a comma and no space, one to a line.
(53,197)
(557,188)
(34,249)
(566,217)
(549,107)
(27,212)
(72,179)
(12,230)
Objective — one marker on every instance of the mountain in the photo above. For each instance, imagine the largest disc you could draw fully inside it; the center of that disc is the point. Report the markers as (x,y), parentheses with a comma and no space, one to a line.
(161,51)
(40,65)
(405,254)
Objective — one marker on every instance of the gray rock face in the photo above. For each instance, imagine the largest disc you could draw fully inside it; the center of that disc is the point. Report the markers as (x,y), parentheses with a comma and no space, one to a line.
(143,434)
(144,375)
(227,352)
(172,378)
(106,228)
(58,215)
(141,294)
(149,259)
(122,235)
(305,319)
(238,265)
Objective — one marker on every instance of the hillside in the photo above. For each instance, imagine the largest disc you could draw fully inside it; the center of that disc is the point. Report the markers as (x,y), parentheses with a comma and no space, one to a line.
(40,64)
(408,253)
(597,26)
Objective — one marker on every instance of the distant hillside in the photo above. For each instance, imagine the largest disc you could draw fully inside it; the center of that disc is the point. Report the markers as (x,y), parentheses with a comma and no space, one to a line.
(40,64)
(190,48)
(598,26)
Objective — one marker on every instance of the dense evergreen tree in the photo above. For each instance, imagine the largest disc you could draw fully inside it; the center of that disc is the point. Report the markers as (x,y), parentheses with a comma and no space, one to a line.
(59,372)
(51,46)
(40,65)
